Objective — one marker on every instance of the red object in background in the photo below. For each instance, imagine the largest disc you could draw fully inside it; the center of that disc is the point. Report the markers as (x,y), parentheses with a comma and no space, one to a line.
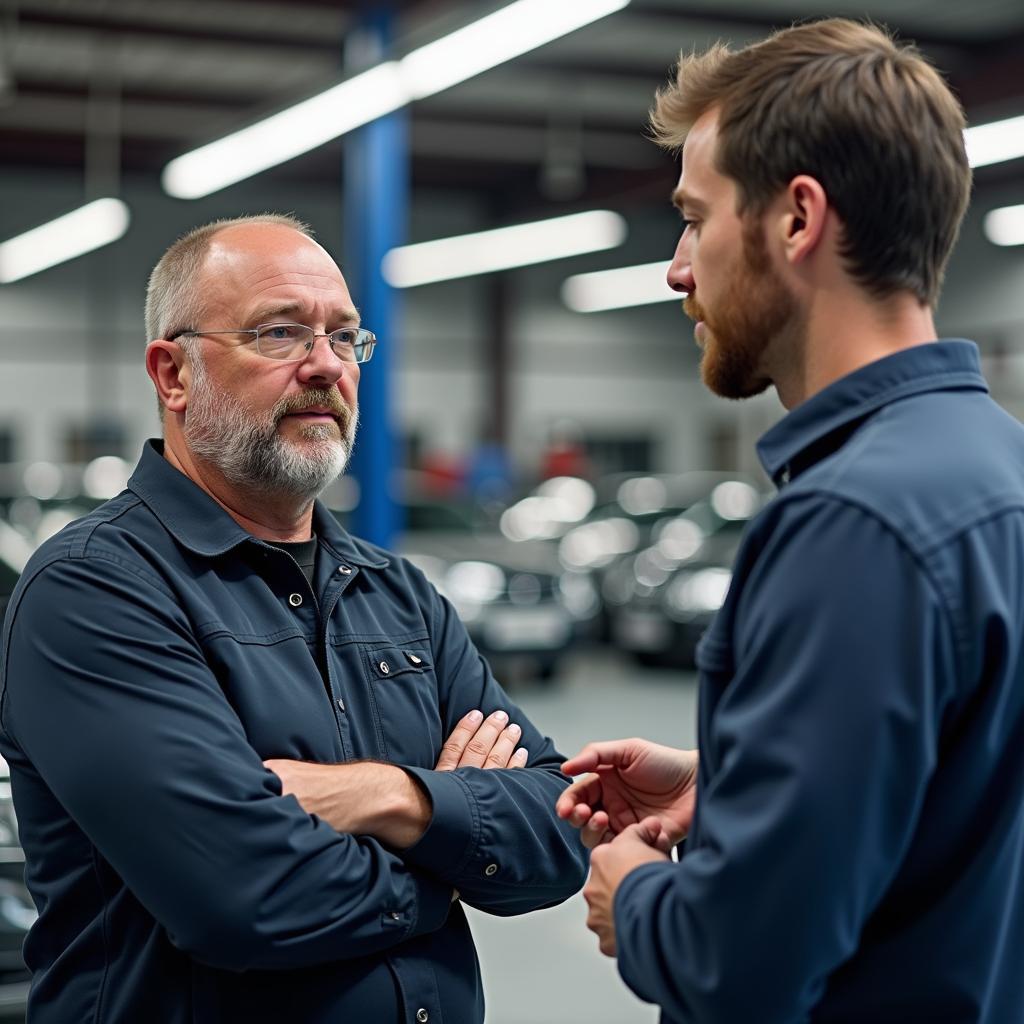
(442,473)
(564,458)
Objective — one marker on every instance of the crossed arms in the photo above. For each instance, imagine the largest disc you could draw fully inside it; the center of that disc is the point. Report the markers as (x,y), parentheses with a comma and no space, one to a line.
(384,801)
(118,726)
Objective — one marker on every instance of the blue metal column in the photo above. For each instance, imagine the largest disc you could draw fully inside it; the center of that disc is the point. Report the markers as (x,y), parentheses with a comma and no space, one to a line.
(376,202)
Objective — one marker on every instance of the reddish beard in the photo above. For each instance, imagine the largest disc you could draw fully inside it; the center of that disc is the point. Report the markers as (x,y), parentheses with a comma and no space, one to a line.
(755,310)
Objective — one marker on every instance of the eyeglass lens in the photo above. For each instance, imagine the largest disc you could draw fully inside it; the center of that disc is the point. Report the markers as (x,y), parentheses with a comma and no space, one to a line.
(291,341)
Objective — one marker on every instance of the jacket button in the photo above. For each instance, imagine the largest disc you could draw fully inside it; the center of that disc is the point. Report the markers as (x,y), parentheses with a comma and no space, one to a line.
(491,869)
(395,915)
(384,667)
(345,570)
(422,1016)
(415,659)
(295,600)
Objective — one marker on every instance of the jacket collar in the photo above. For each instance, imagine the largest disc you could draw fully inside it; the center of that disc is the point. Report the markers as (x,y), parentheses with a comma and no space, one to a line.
(197,522)
(935,366)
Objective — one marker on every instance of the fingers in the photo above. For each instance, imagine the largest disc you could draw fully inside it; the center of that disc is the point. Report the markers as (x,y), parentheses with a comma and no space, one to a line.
(585,793)
(479,746)
(504,747)
(599,920)
(456,744)
(652,832)
(519,758)
(478,742)
(596,831)
(604,752)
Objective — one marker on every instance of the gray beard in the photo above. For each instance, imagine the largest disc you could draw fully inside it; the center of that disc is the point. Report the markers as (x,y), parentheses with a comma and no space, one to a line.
(251,454)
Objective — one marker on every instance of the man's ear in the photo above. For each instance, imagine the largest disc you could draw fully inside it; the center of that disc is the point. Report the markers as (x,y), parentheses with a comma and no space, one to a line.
(169,371)
(804,214)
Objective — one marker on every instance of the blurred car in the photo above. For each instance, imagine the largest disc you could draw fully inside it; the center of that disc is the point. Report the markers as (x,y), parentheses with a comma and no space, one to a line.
(664,598)
(521,608)
(646,512)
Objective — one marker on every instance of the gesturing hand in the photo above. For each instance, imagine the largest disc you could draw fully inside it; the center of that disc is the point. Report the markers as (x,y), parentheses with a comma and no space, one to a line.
(643,843)
(631,780)
(479,742)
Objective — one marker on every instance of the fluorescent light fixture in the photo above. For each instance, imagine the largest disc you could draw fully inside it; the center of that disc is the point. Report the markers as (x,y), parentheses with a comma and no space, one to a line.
(495,39)
(503,248)
(282,136)
(620,288)
(96,224)
(514,30)
(1005,226)
(995,142)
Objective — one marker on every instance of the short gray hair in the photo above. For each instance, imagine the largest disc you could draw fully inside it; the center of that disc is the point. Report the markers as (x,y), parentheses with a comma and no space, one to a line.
(173,302)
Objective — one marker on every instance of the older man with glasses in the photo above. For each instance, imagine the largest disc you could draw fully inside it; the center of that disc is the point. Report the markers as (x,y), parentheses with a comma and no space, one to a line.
(257,763)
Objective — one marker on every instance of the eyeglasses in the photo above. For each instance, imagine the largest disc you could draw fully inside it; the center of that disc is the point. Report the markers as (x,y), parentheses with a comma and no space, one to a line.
(291,343)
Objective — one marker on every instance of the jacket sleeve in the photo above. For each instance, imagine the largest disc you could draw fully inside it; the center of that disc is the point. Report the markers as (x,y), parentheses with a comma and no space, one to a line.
(107,693)
(823,740)
(494,834)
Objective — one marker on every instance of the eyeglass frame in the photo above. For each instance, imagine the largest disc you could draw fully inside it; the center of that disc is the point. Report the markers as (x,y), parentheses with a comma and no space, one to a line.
(370,339)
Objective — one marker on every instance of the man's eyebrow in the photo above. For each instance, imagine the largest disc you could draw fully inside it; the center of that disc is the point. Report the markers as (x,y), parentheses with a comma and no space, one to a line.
(681,199)
(347,315)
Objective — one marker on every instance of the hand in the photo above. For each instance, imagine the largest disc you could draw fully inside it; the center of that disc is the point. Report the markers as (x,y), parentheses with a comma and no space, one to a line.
(632,779)
(359,797)
(480,742)
(643,843)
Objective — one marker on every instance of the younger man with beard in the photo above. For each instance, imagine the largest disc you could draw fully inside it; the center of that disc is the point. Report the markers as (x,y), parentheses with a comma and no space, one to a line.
(855,820)
(213,622)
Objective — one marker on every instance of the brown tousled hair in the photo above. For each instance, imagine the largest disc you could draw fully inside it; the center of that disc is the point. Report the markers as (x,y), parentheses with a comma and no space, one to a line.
(871,120)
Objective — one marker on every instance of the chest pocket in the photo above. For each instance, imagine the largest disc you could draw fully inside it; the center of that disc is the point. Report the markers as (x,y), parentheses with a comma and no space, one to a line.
(403,689)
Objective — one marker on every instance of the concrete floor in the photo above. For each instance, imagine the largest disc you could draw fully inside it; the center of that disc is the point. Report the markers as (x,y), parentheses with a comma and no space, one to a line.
(545,968)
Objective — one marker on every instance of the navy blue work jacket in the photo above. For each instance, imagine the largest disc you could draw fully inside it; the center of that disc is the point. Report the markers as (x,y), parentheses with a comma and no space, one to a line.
(154,655)
(858,852)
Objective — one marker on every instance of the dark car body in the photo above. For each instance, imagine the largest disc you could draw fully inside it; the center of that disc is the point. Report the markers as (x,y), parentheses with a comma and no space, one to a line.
(664,609)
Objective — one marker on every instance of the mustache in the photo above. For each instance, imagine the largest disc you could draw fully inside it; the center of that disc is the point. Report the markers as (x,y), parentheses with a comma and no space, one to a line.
(693,309)
(314,398)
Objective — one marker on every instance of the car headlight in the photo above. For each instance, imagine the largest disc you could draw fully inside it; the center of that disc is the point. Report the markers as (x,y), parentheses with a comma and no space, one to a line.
(692,594)
(471,585)
(595,545)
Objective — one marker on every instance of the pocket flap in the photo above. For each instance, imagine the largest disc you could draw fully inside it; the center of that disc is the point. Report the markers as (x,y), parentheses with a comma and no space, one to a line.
(386,662)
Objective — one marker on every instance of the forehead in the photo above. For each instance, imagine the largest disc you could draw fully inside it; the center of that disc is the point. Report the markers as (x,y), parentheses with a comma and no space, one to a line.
(699,180)
(257,266)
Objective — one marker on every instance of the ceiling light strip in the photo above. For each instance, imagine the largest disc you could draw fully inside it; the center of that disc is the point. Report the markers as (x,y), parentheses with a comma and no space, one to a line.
(294,131)
(492,40)
(89,227)
(995,142)
(499,37)
(623,287)
(1005,226)
(503,248)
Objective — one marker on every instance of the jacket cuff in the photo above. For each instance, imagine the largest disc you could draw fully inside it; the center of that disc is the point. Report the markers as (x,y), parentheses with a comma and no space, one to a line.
(433,903)
(454,827)
(638,893)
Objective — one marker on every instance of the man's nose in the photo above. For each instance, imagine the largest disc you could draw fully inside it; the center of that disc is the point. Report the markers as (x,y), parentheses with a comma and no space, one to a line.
(322,365)
(680,271)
